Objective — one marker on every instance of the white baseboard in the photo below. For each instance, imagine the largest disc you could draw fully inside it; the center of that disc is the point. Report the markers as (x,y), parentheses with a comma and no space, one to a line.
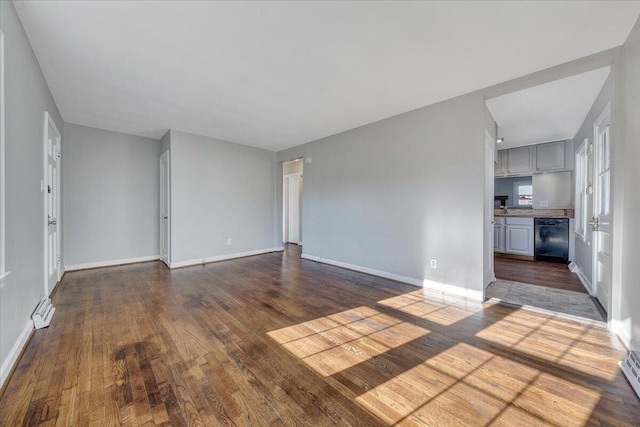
(111,263)
(623,331)
(12,357)
(207,260)
(384,274)
(585,282)
(459,291)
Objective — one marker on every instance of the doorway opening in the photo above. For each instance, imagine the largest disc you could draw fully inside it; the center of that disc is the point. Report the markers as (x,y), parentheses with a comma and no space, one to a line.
(292,201)
(51,190)
(165,208)
(542,255)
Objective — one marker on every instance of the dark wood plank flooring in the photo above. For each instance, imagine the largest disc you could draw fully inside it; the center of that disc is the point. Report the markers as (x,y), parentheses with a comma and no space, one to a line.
(276,340)
(552,275)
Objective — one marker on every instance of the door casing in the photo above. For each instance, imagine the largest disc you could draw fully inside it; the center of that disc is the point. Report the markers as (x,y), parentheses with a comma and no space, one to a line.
(50,127)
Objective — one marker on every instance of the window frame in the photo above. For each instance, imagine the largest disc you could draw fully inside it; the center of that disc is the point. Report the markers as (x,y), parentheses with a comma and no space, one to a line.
(582,188)
(516,193)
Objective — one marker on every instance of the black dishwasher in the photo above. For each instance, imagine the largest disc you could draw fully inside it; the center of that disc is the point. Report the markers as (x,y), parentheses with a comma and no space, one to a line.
(552,240)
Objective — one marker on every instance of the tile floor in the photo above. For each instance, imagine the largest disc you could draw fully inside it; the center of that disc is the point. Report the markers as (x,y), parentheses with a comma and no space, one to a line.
(557,300)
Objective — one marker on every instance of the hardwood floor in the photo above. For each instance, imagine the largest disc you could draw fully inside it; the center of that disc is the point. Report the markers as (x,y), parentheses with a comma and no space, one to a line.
(276,340)
(552,275)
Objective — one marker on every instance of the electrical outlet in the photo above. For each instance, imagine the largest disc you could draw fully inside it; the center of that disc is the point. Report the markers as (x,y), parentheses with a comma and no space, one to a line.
(228,242)
(544,204)
(434,263)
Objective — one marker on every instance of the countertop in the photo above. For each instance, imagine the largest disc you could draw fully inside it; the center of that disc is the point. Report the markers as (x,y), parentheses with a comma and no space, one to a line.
(534,213)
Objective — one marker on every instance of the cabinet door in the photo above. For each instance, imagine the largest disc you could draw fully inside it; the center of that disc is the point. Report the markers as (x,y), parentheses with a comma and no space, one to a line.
(550,156)
(520,160)
(519,240)
(501,160)
(498,238)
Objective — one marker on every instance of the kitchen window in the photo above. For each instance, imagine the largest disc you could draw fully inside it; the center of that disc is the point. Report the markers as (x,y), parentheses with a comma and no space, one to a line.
(583,188)
(523,193)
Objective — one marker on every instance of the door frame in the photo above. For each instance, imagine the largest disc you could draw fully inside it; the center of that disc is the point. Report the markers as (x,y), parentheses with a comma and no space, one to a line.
(48,122)
(167,194)
(606,113)
(488,217)
(285,206)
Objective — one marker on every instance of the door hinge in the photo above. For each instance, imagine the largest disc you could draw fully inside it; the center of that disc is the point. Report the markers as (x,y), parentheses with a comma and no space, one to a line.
(59,259)
(58,154)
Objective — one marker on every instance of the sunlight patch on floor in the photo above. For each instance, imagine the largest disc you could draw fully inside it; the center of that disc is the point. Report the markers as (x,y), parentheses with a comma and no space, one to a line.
(342,340)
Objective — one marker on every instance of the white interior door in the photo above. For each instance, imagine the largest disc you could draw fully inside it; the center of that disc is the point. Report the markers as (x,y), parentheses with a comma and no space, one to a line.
(601,221)
(51,204)
(489,159)
(294,208)
(165,197)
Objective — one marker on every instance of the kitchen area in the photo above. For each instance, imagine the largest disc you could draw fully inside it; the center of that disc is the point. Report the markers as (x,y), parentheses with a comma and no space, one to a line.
(541,257)
(533,223)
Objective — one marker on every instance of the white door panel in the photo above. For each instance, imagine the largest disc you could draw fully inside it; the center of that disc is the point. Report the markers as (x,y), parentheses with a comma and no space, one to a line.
(165,198)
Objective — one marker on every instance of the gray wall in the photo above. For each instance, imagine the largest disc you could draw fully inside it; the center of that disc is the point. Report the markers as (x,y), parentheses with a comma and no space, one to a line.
(221,190)
(165,142)
(554,188)
(393,194)
(626,209)
(111,189)
(504,187)
(583,255)
(27,97)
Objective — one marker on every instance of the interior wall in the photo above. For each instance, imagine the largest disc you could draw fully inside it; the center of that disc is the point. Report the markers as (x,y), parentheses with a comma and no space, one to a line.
(27,97)
(583,249)
(625,140)
(391,195)
(556,189)
(111,182)
(219,191)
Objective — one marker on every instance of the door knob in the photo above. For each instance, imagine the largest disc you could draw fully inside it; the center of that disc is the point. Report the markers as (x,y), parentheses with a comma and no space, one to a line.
(595,222)
(166,217)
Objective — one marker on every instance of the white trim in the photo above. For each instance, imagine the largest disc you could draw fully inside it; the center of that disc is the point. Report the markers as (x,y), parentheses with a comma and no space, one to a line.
(3,273)
(3,278)
(166,154)
(459,291)
(217,258)
(48,122)
(367,270)
(585,282)
(12,357)
(111,263)
(623,332)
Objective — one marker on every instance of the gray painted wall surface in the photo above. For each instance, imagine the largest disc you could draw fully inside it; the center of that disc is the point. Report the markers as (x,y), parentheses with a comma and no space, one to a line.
(111,204)
(165,142)
(504,187)
(626,147)
(27,97)
(554,188)
(583,254)
(395,193)
(221,190)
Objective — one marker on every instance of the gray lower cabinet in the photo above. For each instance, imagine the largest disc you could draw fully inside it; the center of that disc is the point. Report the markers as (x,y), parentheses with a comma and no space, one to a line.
(513,236)
(498,235)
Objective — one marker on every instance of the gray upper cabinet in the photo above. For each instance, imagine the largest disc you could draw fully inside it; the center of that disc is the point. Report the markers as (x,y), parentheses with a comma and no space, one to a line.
(541,158)
(521,160)
(550,157)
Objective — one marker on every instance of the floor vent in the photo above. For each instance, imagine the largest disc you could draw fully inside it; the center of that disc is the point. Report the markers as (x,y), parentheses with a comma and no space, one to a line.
(43,314)
(631,368)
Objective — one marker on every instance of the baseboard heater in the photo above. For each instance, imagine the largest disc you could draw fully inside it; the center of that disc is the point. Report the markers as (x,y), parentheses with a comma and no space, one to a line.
(631,368)
(43,314)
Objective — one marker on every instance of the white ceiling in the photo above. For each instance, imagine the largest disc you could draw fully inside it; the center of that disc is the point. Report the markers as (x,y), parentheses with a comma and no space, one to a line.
(549,112)
(279,74)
